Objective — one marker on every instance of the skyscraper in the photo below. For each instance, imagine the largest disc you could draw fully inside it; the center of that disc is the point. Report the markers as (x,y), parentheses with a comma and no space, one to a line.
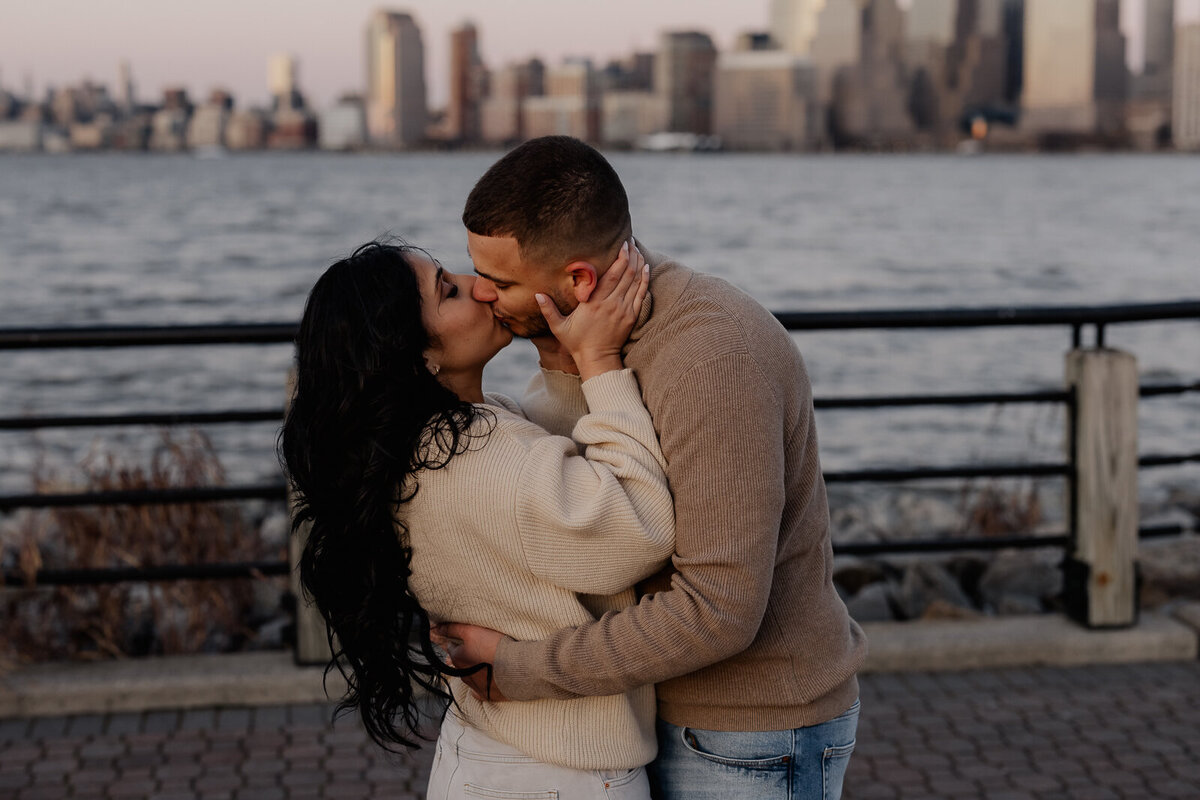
(1158,25)
(1074,67)
(467,84)
(838,43)
(396,109)
(281,74)
(683,77)
(1186,104)
(125,94)
(794,24)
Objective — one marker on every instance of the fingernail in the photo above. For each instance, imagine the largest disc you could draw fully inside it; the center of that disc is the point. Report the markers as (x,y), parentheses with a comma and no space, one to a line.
(625,248)
(541,298)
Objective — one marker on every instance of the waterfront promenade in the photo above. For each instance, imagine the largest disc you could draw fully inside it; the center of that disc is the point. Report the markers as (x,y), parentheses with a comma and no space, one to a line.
(1041,710)
(1109,731)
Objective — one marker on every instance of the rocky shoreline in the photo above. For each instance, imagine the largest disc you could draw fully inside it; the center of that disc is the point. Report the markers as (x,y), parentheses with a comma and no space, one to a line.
(982,583)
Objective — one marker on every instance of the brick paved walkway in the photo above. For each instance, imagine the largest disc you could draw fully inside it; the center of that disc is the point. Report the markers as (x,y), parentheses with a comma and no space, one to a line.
(1088,733)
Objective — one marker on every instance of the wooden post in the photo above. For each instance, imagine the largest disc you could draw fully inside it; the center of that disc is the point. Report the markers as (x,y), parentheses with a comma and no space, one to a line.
(312,645)
(1101,571)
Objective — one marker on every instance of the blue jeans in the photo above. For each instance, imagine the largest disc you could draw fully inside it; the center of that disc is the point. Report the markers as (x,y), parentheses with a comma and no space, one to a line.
(808,763)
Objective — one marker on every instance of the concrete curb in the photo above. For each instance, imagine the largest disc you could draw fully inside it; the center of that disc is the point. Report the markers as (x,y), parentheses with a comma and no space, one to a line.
(266,679)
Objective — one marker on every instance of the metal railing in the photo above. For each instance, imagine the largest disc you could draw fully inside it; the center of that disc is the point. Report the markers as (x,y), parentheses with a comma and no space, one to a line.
(1074,317)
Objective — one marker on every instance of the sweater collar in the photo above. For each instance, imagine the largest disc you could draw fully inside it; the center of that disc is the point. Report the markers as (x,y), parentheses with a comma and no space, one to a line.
(667,281)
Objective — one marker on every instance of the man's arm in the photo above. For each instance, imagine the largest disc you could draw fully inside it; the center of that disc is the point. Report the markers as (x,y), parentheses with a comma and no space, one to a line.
(724,436)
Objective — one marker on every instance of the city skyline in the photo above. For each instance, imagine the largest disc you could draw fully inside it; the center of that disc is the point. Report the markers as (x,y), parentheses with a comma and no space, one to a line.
(325,38)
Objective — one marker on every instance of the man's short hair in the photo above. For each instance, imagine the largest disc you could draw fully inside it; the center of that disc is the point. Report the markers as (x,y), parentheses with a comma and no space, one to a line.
(557,196)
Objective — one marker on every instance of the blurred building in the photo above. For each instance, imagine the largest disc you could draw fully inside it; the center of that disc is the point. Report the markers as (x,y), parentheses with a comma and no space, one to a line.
(396,109)
(754,40)
(168,130)
(281,74)
(283,83)
(501,111)
(292,129)
(569,107)
(1185,124)
(20,136)
(766,100)
(628,115)
(468,85)
(956,57)
(838,43)
(1075,75)
(246,130)
(344,126)
(1153,81)
(684,69)
(206,128)
(126,97)
(869,105)
(793,24)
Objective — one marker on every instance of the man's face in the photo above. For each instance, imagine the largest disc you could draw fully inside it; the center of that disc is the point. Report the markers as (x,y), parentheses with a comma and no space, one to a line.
(508,283)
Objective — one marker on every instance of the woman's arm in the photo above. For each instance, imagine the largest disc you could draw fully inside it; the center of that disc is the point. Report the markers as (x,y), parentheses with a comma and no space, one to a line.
(598,524)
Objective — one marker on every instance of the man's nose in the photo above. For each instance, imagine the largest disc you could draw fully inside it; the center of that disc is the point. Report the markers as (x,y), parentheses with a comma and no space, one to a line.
(483,290)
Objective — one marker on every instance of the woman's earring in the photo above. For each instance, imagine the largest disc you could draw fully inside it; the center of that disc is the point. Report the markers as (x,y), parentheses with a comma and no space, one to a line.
(435,368)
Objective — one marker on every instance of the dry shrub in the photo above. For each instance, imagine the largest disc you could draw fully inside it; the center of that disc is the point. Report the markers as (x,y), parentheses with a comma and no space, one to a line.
(135,618)
(999,510)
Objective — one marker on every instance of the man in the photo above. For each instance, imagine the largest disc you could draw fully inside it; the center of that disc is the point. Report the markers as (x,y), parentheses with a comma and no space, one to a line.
(752,652)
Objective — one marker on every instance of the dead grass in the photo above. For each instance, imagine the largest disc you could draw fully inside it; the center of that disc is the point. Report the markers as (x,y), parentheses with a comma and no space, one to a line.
(129,619)
(997,509)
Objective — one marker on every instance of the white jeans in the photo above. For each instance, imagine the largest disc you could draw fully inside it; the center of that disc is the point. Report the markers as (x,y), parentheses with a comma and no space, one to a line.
(470,764)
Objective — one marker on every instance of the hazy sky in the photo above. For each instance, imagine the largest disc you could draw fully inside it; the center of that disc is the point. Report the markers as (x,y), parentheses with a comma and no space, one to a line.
(203,44)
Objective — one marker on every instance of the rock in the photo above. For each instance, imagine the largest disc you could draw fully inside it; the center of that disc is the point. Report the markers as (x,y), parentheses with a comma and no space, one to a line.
(1170,570)
(872,604)
(857,573)
(1021,581)
(922,584)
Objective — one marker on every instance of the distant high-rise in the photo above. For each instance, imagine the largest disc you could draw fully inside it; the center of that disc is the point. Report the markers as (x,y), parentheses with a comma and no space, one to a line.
(766,100)
(794,24)
(467,85)
(501,112)
(396,109)
(932,21)
(683,77)
(125,94)
(1074,75)
(1185,123)
(281,74)
(1153,82)
(838,43)
(570,105)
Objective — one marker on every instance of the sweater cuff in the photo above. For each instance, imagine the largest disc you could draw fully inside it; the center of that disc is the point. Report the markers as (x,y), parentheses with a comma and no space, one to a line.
(614,390)
(511,671)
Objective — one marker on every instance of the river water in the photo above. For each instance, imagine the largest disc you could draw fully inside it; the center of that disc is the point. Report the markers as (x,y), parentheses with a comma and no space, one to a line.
(120,239)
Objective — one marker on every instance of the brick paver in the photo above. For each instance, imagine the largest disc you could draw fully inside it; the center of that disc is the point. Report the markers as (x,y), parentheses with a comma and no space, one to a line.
(1121,732)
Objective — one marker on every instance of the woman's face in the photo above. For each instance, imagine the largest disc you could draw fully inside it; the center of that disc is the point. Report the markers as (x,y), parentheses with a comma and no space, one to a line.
(465,331)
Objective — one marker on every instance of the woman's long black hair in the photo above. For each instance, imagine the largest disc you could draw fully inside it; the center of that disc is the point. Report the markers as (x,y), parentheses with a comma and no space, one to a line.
(363,415)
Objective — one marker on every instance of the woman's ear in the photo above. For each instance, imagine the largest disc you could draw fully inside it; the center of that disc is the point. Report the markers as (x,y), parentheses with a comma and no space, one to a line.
(583,279)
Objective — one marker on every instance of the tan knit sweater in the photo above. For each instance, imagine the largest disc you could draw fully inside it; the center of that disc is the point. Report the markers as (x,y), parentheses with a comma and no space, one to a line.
(744,631)
(511,532)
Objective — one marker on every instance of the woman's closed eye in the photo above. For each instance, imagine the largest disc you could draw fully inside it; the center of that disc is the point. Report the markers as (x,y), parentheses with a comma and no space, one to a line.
(453,290)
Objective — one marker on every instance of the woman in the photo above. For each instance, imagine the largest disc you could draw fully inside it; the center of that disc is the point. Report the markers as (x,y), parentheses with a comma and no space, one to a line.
(429,499)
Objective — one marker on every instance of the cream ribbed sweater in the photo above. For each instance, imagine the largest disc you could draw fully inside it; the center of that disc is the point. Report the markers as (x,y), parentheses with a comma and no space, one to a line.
(524,535)
(744,631)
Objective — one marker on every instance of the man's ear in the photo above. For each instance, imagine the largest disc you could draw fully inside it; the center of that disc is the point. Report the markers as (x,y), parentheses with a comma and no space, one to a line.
(583,279)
